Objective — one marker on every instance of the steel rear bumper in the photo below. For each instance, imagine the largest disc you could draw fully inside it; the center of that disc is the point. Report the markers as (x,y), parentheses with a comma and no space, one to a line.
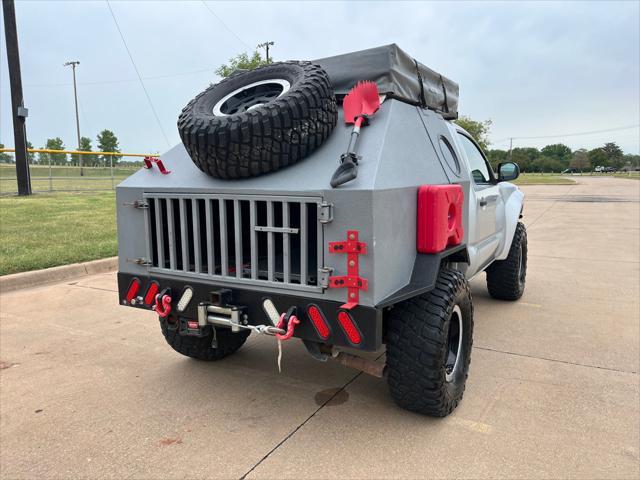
(367,319)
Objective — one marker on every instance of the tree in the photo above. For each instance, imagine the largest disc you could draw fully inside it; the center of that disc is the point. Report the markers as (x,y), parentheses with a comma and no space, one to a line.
(31,157)
(614,154)
(56,144)
(5,157)
(549,164)
(598,158)
(558,151)
(631,162)
(242,62)
(478,130)
(87,160)
(580,160)
(526,158)
(108,142)
(496,157)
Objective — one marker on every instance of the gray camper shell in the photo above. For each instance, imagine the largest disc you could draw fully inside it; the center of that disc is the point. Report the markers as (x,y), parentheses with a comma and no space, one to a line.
(269,236)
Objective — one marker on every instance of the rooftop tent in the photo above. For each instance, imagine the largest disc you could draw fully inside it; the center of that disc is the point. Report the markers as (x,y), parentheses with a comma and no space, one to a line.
(398,76)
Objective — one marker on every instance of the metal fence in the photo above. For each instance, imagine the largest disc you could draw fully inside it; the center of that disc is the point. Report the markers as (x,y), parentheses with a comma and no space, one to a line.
(51,177)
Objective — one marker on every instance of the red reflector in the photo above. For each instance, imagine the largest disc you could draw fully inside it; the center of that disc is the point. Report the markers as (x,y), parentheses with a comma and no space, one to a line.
(318,321)
(346,322)
(152,291)
(439,217)
(192,325)
(133,290)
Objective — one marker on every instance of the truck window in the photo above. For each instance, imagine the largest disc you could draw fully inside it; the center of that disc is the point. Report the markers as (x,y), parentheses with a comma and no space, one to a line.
(479,166)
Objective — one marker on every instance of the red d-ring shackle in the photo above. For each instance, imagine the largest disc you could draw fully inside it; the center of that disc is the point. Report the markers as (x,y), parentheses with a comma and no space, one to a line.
(163,305)
(293,321)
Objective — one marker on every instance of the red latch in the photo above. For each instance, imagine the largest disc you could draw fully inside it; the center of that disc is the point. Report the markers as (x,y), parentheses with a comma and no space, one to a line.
(149,161)
(352,281)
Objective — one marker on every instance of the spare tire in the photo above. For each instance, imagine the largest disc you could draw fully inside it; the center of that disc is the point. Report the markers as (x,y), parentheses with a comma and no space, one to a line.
(259,121)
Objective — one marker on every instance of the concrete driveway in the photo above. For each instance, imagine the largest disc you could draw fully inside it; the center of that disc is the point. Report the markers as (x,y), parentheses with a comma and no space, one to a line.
(90,389)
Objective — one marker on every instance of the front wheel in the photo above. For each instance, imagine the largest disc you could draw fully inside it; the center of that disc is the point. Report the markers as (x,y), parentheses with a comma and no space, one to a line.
(506,278)
(429,339)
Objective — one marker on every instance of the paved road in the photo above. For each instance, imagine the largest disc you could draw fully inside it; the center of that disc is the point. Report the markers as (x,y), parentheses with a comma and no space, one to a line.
(90,389)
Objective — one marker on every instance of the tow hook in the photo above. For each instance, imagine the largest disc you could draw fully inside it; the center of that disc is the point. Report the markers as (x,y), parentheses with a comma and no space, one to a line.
(163,303)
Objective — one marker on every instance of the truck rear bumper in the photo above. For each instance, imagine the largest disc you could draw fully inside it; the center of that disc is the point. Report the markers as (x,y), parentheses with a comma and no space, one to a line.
(367,320)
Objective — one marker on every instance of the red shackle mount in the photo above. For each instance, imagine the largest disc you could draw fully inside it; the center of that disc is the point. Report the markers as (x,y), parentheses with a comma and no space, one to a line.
(149,161)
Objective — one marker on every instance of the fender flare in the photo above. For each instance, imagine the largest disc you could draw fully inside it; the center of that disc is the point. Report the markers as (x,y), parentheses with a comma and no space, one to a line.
(425,273)
(513,207)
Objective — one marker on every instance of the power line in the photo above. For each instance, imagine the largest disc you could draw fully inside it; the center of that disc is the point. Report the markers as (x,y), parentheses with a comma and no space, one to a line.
(129,80)
(568,134)
(225,25)
(138,74)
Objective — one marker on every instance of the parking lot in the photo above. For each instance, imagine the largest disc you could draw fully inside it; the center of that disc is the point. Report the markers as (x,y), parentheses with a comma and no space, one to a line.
(90,389)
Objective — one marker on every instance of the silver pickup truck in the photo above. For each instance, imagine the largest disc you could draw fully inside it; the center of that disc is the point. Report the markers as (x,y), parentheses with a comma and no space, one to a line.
(334,202)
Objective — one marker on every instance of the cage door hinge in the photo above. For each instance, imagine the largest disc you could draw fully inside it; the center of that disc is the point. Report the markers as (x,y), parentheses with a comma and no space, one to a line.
(325,213)
(324,274)
(137,204)
(143,262)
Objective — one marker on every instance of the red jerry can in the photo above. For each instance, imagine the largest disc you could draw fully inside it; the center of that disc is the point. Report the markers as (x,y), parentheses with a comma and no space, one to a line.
(439,217)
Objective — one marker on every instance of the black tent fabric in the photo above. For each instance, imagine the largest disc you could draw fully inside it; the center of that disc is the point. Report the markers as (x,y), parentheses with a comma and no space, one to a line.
(397,74)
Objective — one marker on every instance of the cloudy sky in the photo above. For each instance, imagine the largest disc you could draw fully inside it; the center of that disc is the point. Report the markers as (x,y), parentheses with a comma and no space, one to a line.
(535,69)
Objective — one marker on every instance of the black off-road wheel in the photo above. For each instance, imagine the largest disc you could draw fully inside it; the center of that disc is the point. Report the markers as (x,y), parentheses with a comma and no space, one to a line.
(200,347)
(259,121)
(429,339)
(506,278)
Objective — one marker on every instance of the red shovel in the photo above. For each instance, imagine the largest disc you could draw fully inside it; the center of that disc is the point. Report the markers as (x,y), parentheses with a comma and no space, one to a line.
(360,103)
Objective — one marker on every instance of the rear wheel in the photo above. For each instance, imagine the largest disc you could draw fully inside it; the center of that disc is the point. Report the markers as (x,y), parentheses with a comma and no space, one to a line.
(506,278)
(429,339)
(200,348)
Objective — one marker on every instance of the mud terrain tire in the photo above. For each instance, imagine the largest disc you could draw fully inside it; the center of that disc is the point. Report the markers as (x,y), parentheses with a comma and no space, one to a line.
(506,278)
(421,337)
(259,121)
(200,347)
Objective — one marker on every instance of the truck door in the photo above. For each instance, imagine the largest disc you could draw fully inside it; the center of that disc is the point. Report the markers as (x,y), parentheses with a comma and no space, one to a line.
(483,224)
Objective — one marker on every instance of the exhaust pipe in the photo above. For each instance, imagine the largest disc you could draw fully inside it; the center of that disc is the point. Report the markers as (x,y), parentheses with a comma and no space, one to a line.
(366,366)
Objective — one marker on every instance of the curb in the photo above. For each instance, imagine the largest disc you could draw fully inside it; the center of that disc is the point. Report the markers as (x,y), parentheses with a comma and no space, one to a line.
(35,278)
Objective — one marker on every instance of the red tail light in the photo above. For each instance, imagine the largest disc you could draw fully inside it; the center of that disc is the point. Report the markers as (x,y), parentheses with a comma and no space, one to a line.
(317,318)
(349,327)
(134,286)
(152,291)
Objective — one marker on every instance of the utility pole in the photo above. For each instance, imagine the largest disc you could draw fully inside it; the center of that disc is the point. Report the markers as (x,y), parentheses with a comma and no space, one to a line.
(266,45)
(510,147)
(17,101)
(73,65)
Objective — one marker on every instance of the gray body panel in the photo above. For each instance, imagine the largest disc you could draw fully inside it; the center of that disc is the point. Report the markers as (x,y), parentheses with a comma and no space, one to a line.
(398,155)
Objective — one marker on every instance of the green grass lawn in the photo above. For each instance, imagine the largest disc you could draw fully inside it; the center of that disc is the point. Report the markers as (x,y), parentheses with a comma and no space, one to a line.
(47,230)
(543,179)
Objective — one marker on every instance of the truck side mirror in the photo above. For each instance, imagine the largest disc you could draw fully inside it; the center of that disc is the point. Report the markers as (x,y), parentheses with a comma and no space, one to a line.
(508,171)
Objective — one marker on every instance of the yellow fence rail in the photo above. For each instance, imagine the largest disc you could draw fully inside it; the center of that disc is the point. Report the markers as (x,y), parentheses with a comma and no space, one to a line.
(80,152)
(48,177)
